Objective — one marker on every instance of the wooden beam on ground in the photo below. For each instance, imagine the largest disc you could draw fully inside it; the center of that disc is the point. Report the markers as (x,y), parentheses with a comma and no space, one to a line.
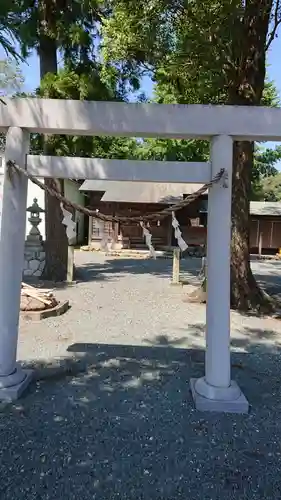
(118,170)
(58,116)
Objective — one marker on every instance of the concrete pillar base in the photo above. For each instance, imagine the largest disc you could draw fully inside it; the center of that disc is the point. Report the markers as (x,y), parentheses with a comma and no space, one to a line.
(173,283)
(12,386)
(226,400)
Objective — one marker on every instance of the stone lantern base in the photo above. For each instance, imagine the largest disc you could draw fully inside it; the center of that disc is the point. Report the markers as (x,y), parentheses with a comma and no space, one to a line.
(34,260)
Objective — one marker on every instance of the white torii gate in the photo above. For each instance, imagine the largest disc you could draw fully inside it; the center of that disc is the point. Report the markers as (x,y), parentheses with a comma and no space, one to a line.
(220,124)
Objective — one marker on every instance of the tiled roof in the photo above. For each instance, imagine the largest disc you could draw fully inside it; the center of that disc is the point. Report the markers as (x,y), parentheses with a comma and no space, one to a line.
(149,192)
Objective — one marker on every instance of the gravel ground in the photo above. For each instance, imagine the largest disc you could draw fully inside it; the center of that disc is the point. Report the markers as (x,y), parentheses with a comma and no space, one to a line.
(110,415)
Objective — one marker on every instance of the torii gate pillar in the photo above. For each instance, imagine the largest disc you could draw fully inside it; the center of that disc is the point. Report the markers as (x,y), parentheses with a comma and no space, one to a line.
(216,391)
(13,194)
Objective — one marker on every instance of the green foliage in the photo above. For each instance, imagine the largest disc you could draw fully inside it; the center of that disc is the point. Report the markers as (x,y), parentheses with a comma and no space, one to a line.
(195,150)
(9,27)
(264,169)
(270,96)
(271,188)
(267,183)
(73,24)
(174,150)
(265,159)
(11,81)
(68,84)
(192,50)
(185,45)
(11,78)
(194,53)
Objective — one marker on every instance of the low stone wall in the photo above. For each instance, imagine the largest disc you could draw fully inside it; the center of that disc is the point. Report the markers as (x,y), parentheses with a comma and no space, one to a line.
(34,262)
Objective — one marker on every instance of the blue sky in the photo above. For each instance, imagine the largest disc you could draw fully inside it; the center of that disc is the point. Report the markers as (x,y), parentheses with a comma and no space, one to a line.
(31,73)
(274,71)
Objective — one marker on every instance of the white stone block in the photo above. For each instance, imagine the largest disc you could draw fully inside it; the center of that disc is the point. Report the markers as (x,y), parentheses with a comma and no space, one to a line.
(37,273)
(41,256)
(34,264)
(28,254)
(33,248)
(27,272)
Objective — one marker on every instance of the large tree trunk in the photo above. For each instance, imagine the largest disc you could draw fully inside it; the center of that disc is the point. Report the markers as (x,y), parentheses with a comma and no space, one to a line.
(245,293)
(246,88)
(56,240)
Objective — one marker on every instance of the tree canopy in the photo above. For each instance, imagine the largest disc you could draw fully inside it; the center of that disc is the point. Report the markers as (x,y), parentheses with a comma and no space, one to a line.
(270,188)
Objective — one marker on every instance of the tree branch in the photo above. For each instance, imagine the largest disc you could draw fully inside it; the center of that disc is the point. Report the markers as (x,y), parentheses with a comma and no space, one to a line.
(276,23)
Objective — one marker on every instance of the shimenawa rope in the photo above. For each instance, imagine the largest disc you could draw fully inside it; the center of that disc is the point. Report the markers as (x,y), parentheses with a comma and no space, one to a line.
(155,216)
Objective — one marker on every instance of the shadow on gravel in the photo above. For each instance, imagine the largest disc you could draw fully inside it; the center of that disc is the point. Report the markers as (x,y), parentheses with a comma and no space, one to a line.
(115,268)
(118,422)
(252,341)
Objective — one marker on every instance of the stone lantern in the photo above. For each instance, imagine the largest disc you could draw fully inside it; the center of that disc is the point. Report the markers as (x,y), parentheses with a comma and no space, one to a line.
(34,252)
(34,237)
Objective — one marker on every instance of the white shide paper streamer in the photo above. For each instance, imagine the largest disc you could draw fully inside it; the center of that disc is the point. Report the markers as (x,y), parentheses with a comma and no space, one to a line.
(178,234)
(104,237)
(148,238)
(69,224)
